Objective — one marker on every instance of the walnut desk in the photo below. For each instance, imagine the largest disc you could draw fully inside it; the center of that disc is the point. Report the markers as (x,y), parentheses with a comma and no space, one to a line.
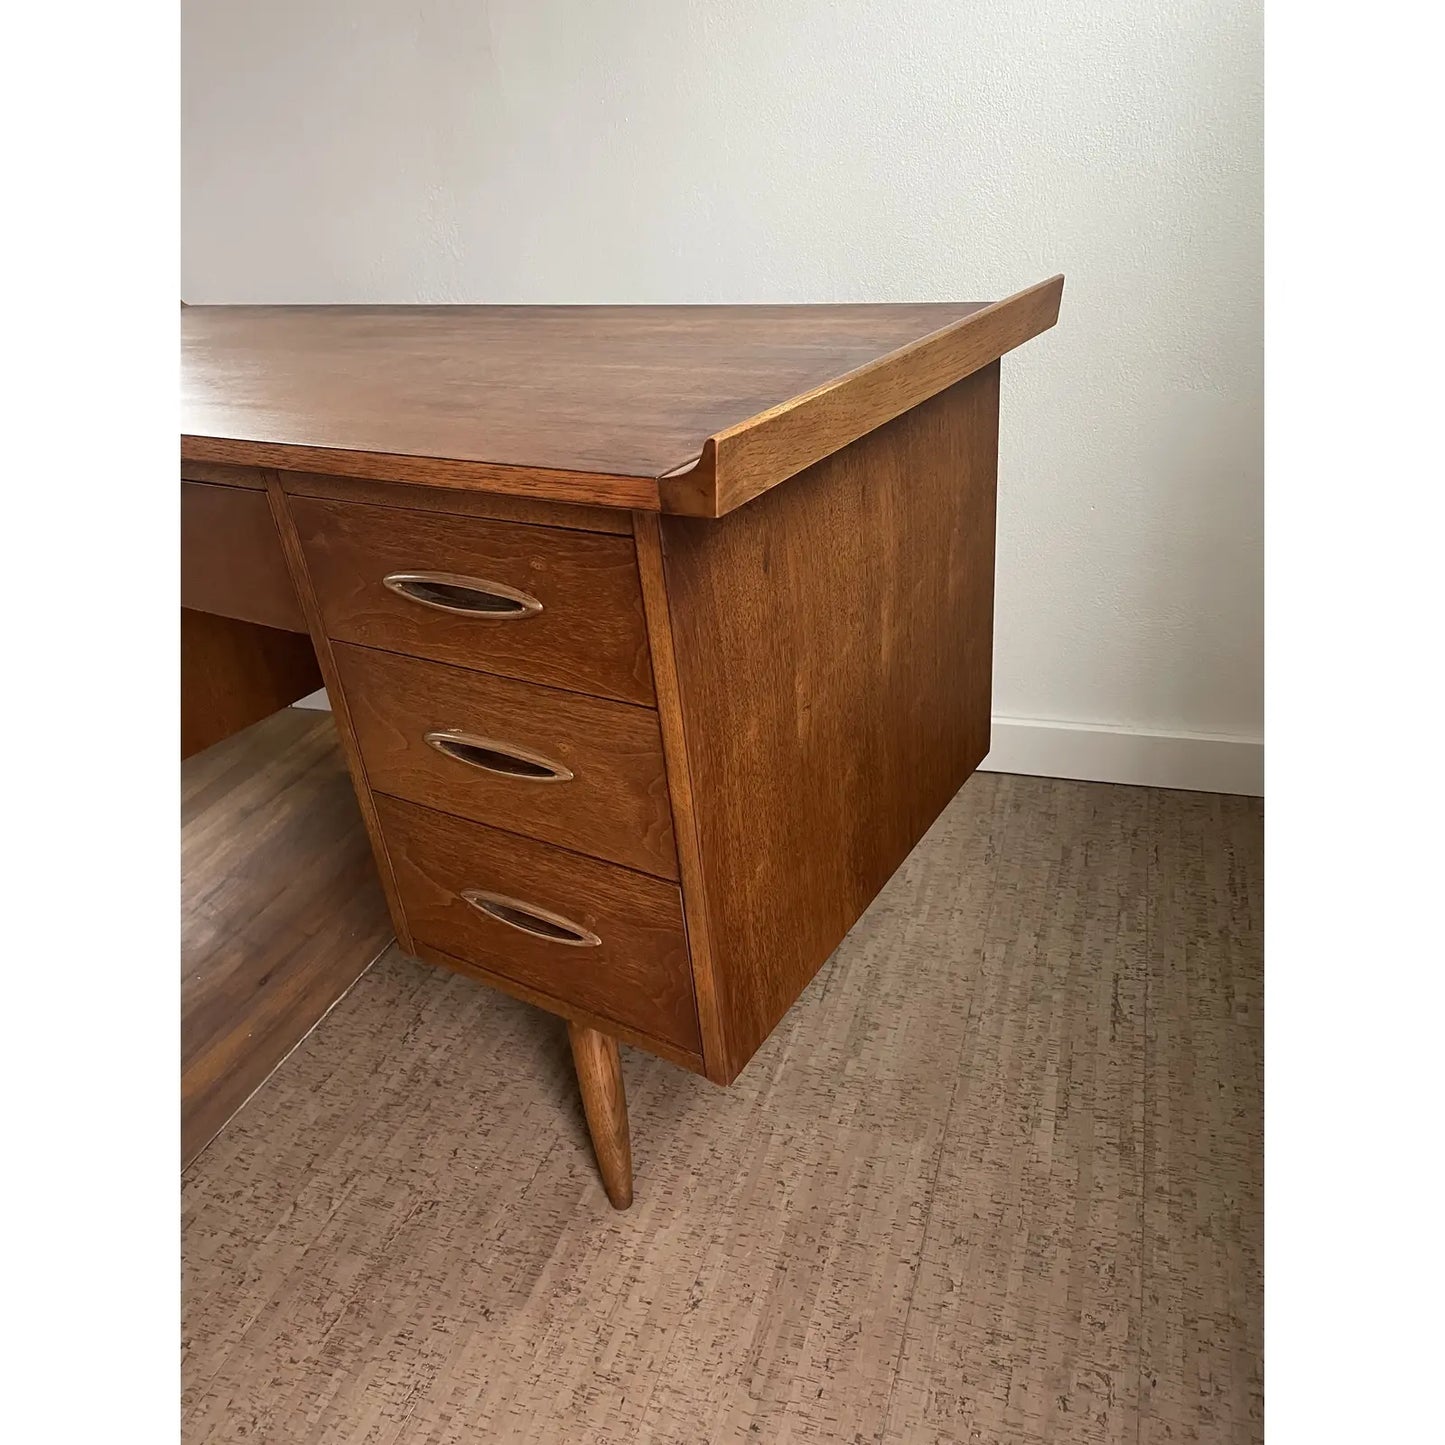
(656,637)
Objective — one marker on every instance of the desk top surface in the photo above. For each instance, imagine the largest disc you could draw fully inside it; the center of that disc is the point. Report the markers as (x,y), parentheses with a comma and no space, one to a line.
(582,403)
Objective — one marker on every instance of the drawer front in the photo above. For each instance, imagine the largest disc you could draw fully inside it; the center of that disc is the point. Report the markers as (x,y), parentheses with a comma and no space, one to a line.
(232,564)
(582,772)
(614,941)
(550,606)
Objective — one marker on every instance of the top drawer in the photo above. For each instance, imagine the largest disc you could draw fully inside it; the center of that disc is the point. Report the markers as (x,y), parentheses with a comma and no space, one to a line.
(551,606)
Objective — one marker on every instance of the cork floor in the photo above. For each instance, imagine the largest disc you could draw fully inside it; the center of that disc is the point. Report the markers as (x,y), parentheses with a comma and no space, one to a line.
(997,1177)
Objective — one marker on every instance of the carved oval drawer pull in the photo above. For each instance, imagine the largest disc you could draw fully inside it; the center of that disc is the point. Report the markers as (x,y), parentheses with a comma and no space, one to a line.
(495,757)
(466,596)
(539,922)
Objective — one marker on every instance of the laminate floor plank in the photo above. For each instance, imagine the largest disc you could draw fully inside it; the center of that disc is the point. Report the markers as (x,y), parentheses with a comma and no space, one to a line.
(281,910)
(1024,1325)
(923,1213)
(1203,1318)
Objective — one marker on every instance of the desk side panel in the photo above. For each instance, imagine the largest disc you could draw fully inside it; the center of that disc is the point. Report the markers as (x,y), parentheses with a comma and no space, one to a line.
(834,649)
(235,673)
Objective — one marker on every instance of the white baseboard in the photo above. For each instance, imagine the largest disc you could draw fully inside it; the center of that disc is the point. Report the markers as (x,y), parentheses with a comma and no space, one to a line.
(1092,753)
(1096,754)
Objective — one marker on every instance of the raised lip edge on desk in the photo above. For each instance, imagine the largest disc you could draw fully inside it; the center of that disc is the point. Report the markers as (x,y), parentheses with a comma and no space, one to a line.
(748,459)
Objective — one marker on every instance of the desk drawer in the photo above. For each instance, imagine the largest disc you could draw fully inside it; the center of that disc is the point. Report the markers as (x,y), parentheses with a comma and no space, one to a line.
(552,606)
(583,772)
(232,564)
(604,938)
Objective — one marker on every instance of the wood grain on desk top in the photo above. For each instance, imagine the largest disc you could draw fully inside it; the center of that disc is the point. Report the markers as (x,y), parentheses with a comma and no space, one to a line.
(587,404)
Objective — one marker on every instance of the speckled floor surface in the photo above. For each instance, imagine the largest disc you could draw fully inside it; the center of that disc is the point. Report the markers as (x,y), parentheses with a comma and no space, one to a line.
(997,1177)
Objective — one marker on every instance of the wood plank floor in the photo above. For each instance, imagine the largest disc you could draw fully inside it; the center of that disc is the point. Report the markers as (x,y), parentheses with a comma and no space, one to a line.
(281,909)
(996,1178)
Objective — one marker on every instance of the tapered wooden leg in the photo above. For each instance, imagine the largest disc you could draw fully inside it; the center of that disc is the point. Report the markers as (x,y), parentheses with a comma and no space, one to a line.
(599,1074)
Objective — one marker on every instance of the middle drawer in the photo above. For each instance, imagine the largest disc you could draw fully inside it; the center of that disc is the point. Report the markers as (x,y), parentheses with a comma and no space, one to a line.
(578,771)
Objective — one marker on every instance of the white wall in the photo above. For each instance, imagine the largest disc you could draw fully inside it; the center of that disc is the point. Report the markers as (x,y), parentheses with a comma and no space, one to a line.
(834,150)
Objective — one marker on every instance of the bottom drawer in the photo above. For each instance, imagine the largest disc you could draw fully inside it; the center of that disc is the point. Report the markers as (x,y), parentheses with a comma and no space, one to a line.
(604,938)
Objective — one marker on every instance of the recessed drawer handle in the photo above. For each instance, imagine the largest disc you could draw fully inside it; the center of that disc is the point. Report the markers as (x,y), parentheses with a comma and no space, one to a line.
(539,922)
(495,757)
(466,596)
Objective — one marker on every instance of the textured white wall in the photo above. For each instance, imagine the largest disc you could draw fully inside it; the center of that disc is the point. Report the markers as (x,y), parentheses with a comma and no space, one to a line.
(825,150)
